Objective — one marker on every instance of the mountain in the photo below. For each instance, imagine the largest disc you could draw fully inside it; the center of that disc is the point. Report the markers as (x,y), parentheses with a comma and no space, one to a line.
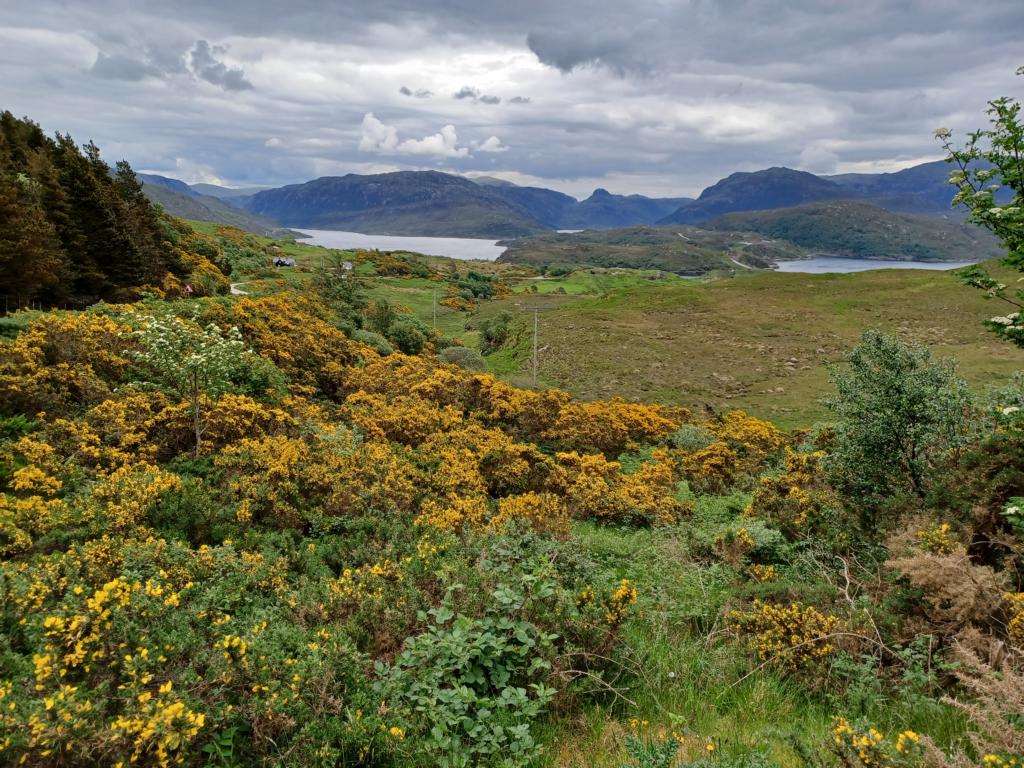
(192,205)
(680,249)
(603,210)
(858,229)
(174,185)
(921,189)
(759,190)
(426,203)
(225,193)
(547,206)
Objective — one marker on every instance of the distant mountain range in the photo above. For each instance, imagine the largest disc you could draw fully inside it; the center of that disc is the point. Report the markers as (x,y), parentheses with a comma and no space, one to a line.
(850,214)
(426,203)
(186,202)
(921,189)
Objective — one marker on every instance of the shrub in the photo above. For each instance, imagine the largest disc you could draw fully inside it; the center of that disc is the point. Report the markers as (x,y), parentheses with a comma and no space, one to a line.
(494,332)
(407,337)
(793,636)
(374,340)
(900,414)
(465,358)
(473,688)
(691,438)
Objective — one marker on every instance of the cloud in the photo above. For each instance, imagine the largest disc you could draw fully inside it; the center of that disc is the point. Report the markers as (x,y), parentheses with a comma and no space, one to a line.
(818,159)
(566,51)
(206,67)
(118,67)
(419,93)
(381,138)
(474,94)
(651,96)
(491,144)
(441,144)
(377,137)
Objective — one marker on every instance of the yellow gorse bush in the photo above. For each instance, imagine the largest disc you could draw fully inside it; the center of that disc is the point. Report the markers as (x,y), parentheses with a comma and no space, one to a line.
(167,590)
(938,539)
(792,636)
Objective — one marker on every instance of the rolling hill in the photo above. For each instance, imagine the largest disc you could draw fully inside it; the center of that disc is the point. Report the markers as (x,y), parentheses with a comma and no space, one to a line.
(771,188)
(858,229)
(682,250)
(178,199)
(427,203)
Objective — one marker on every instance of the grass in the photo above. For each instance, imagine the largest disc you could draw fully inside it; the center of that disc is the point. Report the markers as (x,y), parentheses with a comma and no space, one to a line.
(687,683)
(762,342)
(681,671)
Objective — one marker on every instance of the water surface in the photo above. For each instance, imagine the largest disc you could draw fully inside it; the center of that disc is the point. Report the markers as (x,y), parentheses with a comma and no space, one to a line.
(456,247)
(829,264)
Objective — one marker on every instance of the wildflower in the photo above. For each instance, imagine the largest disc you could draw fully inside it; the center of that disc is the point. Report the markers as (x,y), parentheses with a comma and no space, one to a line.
(906,740)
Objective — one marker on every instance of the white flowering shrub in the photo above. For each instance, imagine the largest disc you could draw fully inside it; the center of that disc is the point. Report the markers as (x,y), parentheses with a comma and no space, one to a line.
(989,178)
(196,364)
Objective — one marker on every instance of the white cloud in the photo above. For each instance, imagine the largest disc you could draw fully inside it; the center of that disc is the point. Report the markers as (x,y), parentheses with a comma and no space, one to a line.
(382,138)
(492,144)
(377,136)
(441,144)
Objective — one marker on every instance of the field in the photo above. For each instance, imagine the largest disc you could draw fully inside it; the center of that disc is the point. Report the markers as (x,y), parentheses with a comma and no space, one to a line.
(758,341)
(460,572)
(761,341)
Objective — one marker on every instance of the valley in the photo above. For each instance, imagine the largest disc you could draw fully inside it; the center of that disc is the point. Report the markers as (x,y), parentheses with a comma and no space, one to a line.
(409,459)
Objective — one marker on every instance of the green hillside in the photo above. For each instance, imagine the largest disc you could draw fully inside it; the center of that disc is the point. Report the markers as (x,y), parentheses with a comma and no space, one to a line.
(759,341)
(861,230)
(680,249)
(211,209)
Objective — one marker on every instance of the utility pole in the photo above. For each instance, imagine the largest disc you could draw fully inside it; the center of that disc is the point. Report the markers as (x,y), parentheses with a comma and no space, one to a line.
(535,323)
(433,307)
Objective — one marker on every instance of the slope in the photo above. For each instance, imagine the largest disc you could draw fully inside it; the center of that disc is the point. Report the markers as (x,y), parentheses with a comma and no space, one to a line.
(862,230)
(426,203)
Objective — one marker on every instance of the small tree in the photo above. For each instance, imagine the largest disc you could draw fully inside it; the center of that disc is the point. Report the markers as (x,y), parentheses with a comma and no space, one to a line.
(989,178)
(194,363)
(899,413)
(340,288)
(494,332)
(407,337)
(381,316)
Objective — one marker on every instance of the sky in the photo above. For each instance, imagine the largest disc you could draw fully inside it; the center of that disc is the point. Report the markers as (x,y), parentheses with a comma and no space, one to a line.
(656,97)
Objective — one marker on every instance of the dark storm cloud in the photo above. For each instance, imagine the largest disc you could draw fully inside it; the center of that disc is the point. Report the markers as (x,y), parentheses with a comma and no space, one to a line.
(473,94)
(649,96)
(567,51)
(419,93)
(207,67)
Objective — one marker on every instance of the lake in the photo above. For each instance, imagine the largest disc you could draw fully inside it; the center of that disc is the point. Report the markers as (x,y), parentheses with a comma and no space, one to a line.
(489,250)
(455,247)
(823,264)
